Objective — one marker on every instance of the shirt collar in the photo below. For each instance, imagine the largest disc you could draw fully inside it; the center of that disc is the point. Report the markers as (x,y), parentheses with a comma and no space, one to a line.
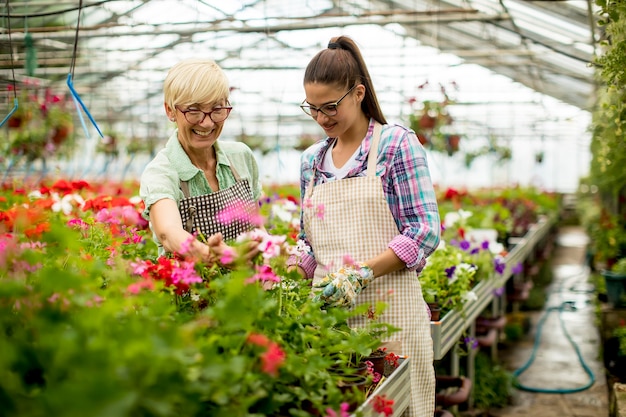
(187,170)
(363,149)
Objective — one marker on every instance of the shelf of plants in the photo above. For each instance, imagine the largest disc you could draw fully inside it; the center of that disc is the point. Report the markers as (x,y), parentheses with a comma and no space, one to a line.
(447,331)
(396,387)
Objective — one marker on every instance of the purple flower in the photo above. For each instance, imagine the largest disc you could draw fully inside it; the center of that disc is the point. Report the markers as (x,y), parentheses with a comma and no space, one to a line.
(499,265)
(450,271)
(485,245)
(474,251)
(471,342)
(465,245)
(517,268)
(498,291)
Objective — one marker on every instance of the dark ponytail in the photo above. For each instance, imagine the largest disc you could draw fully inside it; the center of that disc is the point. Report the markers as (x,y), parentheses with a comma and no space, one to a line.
(342,64)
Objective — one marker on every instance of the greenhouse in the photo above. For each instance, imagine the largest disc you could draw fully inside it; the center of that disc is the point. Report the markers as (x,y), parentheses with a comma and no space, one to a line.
(313,208)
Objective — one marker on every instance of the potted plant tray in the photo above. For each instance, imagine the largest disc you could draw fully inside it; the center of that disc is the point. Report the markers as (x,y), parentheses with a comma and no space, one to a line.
(396,387)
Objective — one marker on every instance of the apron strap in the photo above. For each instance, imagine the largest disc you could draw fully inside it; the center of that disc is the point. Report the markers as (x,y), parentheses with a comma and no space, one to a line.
(373,154)
(184,185)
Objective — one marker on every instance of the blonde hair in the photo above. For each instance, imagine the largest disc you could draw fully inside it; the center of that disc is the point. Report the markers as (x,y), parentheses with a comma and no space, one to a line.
(195,81)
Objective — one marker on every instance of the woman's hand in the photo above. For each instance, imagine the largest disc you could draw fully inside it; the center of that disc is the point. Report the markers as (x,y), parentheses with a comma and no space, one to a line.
(220,252)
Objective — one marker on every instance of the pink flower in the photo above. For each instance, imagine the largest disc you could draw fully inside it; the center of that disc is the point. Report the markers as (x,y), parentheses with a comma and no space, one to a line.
(347,260)
(78,224)
(228,256)
(272,359)
(135,288)
(233,213)
(264,273)
(186,245)
(319,211)
(343,411)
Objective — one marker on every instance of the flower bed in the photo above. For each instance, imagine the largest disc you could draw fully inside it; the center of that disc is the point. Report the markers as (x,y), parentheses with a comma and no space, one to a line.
(93,321)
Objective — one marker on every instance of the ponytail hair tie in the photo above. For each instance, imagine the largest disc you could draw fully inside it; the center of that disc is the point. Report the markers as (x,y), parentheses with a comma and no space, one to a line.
(334,45)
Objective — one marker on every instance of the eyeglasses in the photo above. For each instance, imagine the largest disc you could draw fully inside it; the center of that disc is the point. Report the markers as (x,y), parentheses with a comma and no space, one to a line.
(329,109)
(218,114)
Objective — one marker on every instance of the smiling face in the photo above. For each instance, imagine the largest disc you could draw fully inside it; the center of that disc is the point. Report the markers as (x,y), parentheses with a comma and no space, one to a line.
(348,112)
(197,131)
(200,85)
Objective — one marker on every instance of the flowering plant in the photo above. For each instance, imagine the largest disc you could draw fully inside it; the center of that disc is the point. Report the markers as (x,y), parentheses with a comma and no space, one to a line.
(41,125)
(93,322)
(431,120)
(449,276)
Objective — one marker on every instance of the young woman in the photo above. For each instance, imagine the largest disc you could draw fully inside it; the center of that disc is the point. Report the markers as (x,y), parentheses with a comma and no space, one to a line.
(369,211)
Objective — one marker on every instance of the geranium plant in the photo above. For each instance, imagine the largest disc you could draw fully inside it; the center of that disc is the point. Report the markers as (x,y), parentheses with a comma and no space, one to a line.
(93,322)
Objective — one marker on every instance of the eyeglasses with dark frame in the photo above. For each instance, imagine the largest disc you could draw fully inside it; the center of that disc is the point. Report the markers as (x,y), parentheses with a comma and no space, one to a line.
(329,109)
(195,117)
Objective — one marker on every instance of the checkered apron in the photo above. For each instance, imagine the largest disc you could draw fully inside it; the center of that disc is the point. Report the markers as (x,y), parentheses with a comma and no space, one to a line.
(357,222)
(202,213)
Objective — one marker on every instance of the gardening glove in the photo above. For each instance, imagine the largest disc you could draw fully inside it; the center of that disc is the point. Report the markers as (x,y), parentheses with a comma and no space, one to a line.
(340,288)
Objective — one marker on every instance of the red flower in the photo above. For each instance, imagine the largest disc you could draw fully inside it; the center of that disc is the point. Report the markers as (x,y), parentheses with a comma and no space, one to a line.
(383,405)
(392,359)
(272,359)
(258,339)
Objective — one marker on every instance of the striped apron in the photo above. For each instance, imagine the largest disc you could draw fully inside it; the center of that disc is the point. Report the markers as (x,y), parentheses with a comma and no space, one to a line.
(357,222)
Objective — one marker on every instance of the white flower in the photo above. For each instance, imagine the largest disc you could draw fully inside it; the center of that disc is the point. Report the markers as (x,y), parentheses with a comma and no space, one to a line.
(470,296)
(496,248)
(300,249)
(454,217)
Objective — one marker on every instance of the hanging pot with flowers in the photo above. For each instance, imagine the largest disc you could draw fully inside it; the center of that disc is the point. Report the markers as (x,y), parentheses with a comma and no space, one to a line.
(431,120)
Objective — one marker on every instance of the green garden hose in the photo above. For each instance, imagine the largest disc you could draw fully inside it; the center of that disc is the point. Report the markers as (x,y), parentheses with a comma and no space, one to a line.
(567,305)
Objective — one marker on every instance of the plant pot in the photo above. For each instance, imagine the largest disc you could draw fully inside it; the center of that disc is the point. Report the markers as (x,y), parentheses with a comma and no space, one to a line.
(435,311)
(488,338)
(61,133)
(377,358)
(615,287)
(452,390)
(491,322)
(354,387)
(427,121)
(14,122)
(452,142)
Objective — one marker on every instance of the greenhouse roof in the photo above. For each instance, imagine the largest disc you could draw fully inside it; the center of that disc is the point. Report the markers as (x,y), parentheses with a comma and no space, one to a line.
(535,55)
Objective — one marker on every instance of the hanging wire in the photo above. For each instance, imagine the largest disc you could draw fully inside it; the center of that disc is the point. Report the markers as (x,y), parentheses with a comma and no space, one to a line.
(15,101)
(77,101)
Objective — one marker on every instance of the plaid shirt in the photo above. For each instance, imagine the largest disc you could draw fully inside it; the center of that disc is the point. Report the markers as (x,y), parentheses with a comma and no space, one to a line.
(407,185)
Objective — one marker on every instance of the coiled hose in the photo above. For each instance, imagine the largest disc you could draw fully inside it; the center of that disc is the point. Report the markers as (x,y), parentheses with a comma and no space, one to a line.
(565,306)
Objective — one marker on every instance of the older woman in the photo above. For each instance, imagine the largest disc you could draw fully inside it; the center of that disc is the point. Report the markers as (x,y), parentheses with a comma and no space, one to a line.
(199,186)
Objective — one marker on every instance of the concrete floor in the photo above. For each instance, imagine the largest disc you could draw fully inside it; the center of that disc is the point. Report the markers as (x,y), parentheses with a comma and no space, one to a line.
(556,365)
